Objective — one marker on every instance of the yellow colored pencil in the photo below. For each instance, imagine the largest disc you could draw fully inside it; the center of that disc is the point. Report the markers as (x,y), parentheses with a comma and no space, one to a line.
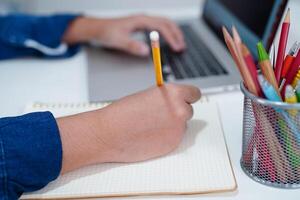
(154,37)
(290,97)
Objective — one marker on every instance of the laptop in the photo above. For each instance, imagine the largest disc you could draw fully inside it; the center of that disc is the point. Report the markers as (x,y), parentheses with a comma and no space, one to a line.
(206,62)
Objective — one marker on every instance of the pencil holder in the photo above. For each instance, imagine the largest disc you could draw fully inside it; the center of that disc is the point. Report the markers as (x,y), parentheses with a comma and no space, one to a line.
(271,141)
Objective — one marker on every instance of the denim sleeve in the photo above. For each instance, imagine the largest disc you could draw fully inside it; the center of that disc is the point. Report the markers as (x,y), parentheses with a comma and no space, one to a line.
(23,35)
(30,153)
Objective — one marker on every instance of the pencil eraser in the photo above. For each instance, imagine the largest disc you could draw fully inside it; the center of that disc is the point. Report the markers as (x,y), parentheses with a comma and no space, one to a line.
(154,36)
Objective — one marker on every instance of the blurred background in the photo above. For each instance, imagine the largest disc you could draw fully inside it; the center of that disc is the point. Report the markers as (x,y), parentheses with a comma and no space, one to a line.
(92,6)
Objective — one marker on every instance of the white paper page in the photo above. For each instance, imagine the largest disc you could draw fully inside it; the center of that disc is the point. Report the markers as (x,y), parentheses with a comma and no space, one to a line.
(199,165)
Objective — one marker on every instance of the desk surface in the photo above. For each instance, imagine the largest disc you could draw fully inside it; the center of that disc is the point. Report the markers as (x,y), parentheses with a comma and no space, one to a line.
(65,81)
(28,80)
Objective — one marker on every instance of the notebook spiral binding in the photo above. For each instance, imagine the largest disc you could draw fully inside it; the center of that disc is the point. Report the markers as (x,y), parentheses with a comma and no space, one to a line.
(41,105)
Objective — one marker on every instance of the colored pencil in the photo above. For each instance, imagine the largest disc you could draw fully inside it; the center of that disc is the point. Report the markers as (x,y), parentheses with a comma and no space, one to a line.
(272,54)
(292,72)
(238,58)
(290,97)
(252,67)
(289,59)
(230,44)
(266,67)
(282,46)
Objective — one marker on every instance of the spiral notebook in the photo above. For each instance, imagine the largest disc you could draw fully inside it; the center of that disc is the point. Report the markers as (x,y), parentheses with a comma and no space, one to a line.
(199,165)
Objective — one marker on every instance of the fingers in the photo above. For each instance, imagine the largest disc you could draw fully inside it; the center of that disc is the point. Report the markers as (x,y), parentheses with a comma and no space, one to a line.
(189,111)
(190,94)
(169,30)
(184,111)
(177,34)
(170,37)
(134,47)
(180,98)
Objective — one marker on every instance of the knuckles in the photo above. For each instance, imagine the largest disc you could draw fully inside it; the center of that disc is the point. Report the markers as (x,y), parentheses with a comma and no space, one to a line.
(175,90)
(182,113)
(141,17)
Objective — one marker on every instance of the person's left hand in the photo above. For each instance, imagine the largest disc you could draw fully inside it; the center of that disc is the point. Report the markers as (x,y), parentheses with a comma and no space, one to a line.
(116,33)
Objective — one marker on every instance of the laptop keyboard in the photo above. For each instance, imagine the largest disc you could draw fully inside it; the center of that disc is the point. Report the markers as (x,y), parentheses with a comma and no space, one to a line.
(195,61)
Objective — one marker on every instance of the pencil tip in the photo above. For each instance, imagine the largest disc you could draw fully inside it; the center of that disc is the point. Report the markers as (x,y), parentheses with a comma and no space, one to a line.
(224,29)
(236,35)
(233,28)
(234,31)
(287,18)
(225,32)
(262,53)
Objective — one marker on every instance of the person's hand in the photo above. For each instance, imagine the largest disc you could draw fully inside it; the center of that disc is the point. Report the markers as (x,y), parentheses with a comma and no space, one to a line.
(138,127)
(116,33)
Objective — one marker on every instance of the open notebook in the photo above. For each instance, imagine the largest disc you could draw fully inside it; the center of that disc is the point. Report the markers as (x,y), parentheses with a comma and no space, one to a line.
(200,164)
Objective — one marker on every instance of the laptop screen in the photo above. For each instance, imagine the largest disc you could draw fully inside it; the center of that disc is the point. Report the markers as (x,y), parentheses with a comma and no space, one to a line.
(256,20)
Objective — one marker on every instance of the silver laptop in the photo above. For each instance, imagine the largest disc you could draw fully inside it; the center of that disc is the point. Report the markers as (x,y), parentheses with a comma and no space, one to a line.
(206,62)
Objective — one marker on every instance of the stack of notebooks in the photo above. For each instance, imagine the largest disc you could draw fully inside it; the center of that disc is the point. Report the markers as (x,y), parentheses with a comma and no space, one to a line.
(200,165)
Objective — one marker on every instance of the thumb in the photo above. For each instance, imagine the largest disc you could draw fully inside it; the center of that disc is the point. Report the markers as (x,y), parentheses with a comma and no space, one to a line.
(191,93)
(134,47)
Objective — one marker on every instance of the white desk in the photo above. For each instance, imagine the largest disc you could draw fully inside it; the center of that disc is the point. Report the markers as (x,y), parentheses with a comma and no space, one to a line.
(24,81)
(27,80)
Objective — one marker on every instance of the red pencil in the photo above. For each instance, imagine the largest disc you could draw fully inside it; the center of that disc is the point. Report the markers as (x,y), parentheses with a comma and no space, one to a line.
(252,67)
(292,72)
(282,46)
(289,60)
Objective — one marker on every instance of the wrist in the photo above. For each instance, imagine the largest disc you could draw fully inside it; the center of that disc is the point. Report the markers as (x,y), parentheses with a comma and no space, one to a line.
(79,136)
(83,29)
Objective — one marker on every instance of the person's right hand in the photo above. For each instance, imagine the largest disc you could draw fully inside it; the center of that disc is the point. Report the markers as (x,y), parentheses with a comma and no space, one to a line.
(138,127)
(116,33)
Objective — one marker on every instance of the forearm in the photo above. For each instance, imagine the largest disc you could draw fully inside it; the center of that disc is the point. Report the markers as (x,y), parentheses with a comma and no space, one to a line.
(80,140)
(36,148)
(83,29)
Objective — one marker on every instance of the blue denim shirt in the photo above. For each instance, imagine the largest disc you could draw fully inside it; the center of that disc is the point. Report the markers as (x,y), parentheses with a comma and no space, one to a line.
(30,153)
(30,145)
(23,35)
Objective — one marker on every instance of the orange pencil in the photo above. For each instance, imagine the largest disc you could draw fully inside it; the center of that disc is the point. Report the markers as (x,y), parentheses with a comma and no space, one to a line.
(239,62)
(154,37)
(230,44)
(246,59)
(247,72)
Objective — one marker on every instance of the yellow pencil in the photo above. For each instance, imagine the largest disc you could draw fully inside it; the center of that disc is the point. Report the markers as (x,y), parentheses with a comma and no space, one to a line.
(154,37)
(290,97)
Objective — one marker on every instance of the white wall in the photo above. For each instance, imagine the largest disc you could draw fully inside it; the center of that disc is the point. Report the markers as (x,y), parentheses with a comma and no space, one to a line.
(46,6)
(112,8)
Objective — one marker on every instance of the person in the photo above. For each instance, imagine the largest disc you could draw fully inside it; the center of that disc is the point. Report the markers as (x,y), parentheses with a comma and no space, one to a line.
(36,148)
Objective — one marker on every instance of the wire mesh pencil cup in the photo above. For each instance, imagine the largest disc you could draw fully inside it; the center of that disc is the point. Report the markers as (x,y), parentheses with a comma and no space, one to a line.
(271,141)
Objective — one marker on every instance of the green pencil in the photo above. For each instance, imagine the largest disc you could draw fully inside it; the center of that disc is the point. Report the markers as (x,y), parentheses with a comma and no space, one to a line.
(266,67)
